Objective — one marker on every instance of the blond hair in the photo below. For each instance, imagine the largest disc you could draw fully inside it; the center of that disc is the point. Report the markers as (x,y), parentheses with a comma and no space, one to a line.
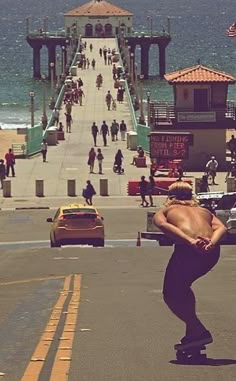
(181,193)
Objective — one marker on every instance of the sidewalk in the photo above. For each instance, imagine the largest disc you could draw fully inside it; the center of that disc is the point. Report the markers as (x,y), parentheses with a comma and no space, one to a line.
(68,160)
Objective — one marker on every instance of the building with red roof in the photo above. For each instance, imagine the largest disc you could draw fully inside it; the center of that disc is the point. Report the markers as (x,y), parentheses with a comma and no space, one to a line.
(98,18)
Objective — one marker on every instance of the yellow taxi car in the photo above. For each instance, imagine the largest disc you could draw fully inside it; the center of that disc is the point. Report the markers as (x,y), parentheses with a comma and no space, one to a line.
(76,224)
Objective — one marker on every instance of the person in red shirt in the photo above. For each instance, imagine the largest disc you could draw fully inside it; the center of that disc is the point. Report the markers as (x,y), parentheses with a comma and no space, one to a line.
(10,162)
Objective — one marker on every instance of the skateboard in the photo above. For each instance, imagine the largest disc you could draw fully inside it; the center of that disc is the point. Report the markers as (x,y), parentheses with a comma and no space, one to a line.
(191,355)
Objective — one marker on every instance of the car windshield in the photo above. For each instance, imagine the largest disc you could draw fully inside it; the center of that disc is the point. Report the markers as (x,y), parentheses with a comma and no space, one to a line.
(79,210)
(227,202)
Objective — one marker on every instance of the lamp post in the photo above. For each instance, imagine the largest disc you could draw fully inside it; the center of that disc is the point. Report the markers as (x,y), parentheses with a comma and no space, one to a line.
(32,94)
(132,67)
(58,73)
(141,117)
(52,100)
(44,118)
(148,105)
(63,48)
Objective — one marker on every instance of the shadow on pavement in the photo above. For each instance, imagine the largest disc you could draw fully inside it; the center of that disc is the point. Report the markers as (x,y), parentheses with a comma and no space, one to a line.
(207,361)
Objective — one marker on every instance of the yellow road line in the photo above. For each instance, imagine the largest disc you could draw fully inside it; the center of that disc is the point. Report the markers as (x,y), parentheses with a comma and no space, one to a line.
(61,366)
(35,365)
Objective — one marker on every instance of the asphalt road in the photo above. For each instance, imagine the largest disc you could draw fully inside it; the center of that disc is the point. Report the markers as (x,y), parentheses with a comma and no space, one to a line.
(98,314)
(30,225)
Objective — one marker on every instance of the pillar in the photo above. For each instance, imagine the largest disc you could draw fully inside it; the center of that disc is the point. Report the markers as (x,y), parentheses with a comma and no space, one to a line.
(162,60)
(36,62)
(39,188)
(51,58)
(145,60)
(6,188)
(103,187)
(71,187)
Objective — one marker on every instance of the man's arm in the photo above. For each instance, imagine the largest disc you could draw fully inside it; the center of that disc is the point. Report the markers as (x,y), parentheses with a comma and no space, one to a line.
(219,230)
(170,230)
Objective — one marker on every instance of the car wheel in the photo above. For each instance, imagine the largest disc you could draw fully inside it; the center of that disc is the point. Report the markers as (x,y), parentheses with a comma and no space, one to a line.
(99,243)
(55,243)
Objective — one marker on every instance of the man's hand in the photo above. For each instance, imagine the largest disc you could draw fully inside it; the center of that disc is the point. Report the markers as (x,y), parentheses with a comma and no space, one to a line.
(202,244)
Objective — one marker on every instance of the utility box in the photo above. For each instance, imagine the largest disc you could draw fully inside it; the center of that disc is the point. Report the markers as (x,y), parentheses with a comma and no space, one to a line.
(52,136)
(73,70)
(132,140)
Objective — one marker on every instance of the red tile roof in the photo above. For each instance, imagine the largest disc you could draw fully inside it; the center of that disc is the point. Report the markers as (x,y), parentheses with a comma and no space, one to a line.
(199,74)
(98,8)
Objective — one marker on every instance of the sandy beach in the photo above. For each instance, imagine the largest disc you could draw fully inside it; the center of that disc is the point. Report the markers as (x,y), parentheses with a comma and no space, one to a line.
(7,137)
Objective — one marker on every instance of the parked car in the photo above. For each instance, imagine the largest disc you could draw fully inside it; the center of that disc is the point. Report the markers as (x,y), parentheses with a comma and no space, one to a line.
(76,224)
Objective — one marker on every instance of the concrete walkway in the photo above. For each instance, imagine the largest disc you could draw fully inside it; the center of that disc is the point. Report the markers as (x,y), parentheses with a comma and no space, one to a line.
(68,160)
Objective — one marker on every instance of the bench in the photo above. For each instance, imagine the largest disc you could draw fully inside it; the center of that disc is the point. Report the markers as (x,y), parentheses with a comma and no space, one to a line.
(19,149)
(140,162)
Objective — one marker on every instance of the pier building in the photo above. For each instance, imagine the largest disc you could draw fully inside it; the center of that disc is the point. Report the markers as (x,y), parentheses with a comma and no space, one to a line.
(97,18)
(200,108)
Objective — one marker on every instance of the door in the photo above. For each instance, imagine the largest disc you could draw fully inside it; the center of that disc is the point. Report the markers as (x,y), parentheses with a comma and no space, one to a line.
(200,100)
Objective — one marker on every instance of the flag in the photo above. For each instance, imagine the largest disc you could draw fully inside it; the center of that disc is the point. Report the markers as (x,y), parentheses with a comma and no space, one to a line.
(231,32)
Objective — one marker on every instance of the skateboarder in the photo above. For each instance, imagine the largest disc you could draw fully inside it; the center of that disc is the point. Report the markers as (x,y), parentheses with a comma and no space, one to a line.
(196,233)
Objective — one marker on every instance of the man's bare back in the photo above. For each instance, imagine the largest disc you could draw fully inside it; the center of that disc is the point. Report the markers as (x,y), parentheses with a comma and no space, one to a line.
(194,221)
(190,225)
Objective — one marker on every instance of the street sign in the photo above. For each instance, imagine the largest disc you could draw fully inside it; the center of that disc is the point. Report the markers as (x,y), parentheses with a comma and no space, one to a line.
(170,145)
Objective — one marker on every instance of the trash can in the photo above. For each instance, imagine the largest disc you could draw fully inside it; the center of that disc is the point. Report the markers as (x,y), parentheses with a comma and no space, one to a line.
(133,140)
(73,70)
(52,136)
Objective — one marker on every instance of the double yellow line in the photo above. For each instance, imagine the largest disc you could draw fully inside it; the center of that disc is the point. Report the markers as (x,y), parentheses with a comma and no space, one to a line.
(61,365)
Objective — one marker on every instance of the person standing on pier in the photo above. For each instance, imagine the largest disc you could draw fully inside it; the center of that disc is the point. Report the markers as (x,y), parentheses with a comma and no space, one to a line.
(80,96)
(10,162)
(91,159)
(104,131)
(100,160)
(68,122)
(2,172)
(94,130)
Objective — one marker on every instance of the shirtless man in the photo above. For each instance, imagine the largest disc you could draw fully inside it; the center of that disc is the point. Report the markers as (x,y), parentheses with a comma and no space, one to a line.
(196,233)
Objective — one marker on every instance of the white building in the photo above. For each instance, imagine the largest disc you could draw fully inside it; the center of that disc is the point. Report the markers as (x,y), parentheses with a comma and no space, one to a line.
(98,18)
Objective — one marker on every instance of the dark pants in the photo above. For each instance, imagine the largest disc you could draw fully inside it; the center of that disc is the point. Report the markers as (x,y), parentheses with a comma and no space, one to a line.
(185,266)
(8,167)
(44,154)
(95,139)
(104,139)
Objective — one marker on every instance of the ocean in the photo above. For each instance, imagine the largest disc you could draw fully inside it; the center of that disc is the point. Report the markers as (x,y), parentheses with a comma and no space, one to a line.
(198,30)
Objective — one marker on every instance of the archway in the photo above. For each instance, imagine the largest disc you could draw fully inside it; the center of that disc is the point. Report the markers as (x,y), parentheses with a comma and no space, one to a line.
(108,30)
(88,30)
(98,30)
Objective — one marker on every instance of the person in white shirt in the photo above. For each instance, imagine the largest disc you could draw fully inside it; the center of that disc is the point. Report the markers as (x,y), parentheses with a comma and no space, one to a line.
(211,168)
(44,148)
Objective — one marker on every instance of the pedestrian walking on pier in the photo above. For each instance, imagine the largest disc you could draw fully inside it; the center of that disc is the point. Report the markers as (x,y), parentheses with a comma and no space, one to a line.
(10,162)
(114,130)
(80,96)
(44,149)
(143,191)
(2,172)
(109,99)
(89,192)
(150,189)
(91,159)
(91,47)
(123,130)
(100,160)
(93,63)
(100,52)
(104,131)
(94,130)
(55,115)
(68,122)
